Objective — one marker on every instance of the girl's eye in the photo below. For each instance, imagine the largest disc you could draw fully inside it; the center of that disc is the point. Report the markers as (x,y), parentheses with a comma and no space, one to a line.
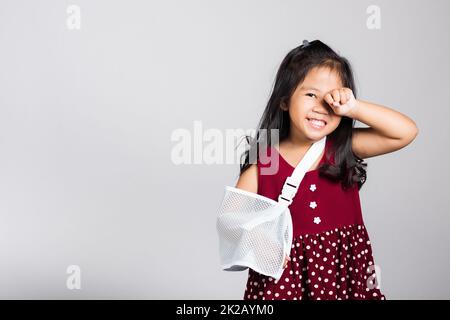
(310,94)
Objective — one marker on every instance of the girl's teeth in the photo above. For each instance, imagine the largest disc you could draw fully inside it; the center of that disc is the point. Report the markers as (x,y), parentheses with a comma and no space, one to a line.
(317,123)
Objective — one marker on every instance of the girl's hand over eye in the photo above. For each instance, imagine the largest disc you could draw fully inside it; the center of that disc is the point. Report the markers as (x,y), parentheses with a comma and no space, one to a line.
(342,101)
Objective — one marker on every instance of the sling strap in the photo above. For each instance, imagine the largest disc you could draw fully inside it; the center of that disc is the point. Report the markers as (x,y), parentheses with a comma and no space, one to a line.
(292,182)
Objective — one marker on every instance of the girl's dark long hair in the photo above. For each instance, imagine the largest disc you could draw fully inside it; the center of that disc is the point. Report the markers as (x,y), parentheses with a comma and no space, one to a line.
(347,168)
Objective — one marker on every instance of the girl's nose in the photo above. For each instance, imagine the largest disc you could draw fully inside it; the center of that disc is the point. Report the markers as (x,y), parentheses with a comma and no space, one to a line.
(322,108)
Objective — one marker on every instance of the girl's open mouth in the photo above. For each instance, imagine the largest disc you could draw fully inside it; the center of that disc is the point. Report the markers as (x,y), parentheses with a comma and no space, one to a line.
(316,124)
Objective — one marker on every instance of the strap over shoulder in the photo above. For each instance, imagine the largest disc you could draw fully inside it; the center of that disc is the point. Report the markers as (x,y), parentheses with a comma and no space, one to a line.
(292,182)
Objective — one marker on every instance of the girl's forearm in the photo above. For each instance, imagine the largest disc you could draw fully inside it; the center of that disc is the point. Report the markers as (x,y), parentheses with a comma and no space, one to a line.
(386,121)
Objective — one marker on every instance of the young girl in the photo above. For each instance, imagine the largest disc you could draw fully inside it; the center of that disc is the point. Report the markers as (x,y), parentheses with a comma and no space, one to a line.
(313,97)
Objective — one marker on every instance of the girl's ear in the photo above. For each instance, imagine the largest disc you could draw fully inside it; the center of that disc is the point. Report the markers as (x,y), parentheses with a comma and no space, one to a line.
(283,106)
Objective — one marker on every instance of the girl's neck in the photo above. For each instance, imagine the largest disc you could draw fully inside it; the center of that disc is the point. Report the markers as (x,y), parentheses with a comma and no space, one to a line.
(298,142)
(297,139)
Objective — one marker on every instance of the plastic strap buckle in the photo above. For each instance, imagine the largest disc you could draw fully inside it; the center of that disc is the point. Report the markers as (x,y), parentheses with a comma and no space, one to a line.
(289,191)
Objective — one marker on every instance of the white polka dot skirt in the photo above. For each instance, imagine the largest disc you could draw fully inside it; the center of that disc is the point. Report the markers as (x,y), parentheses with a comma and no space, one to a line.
(332,265)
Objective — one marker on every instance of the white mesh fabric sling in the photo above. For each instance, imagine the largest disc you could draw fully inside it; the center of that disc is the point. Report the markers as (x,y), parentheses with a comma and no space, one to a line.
(256,231)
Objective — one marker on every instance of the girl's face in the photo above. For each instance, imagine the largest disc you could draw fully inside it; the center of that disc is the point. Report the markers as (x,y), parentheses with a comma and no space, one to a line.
(307,103)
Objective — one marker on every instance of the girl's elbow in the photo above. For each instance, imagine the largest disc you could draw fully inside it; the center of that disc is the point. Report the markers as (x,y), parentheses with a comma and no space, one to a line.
(415,131)
(412,134)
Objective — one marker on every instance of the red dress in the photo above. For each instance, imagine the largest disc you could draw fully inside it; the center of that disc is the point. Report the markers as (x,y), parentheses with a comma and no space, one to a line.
(331,255)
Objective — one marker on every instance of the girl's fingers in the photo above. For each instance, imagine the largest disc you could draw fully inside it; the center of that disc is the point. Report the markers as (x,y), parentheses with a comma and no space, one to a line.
(336,96)
(287,258)
(328,98)
(343,95)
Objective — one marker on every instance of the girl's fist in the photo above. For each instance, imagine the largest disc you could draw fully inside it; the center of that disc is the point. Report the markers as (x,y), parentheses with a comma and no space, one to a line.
(342,101)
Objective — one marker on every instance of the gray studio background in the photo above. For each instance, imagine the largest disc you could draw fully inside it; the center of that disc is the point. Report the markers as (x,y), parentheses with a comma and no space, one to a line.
(86,118)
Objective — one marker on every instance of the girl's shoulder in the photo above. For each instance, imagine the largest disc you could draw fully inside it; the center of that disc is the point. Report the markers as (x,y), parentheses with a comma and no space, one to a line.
(248,180)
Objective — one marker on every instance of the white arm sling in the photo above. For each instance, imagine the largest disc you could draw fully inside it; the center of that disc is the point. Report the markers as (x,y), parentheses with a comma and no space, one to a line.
(256,231)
